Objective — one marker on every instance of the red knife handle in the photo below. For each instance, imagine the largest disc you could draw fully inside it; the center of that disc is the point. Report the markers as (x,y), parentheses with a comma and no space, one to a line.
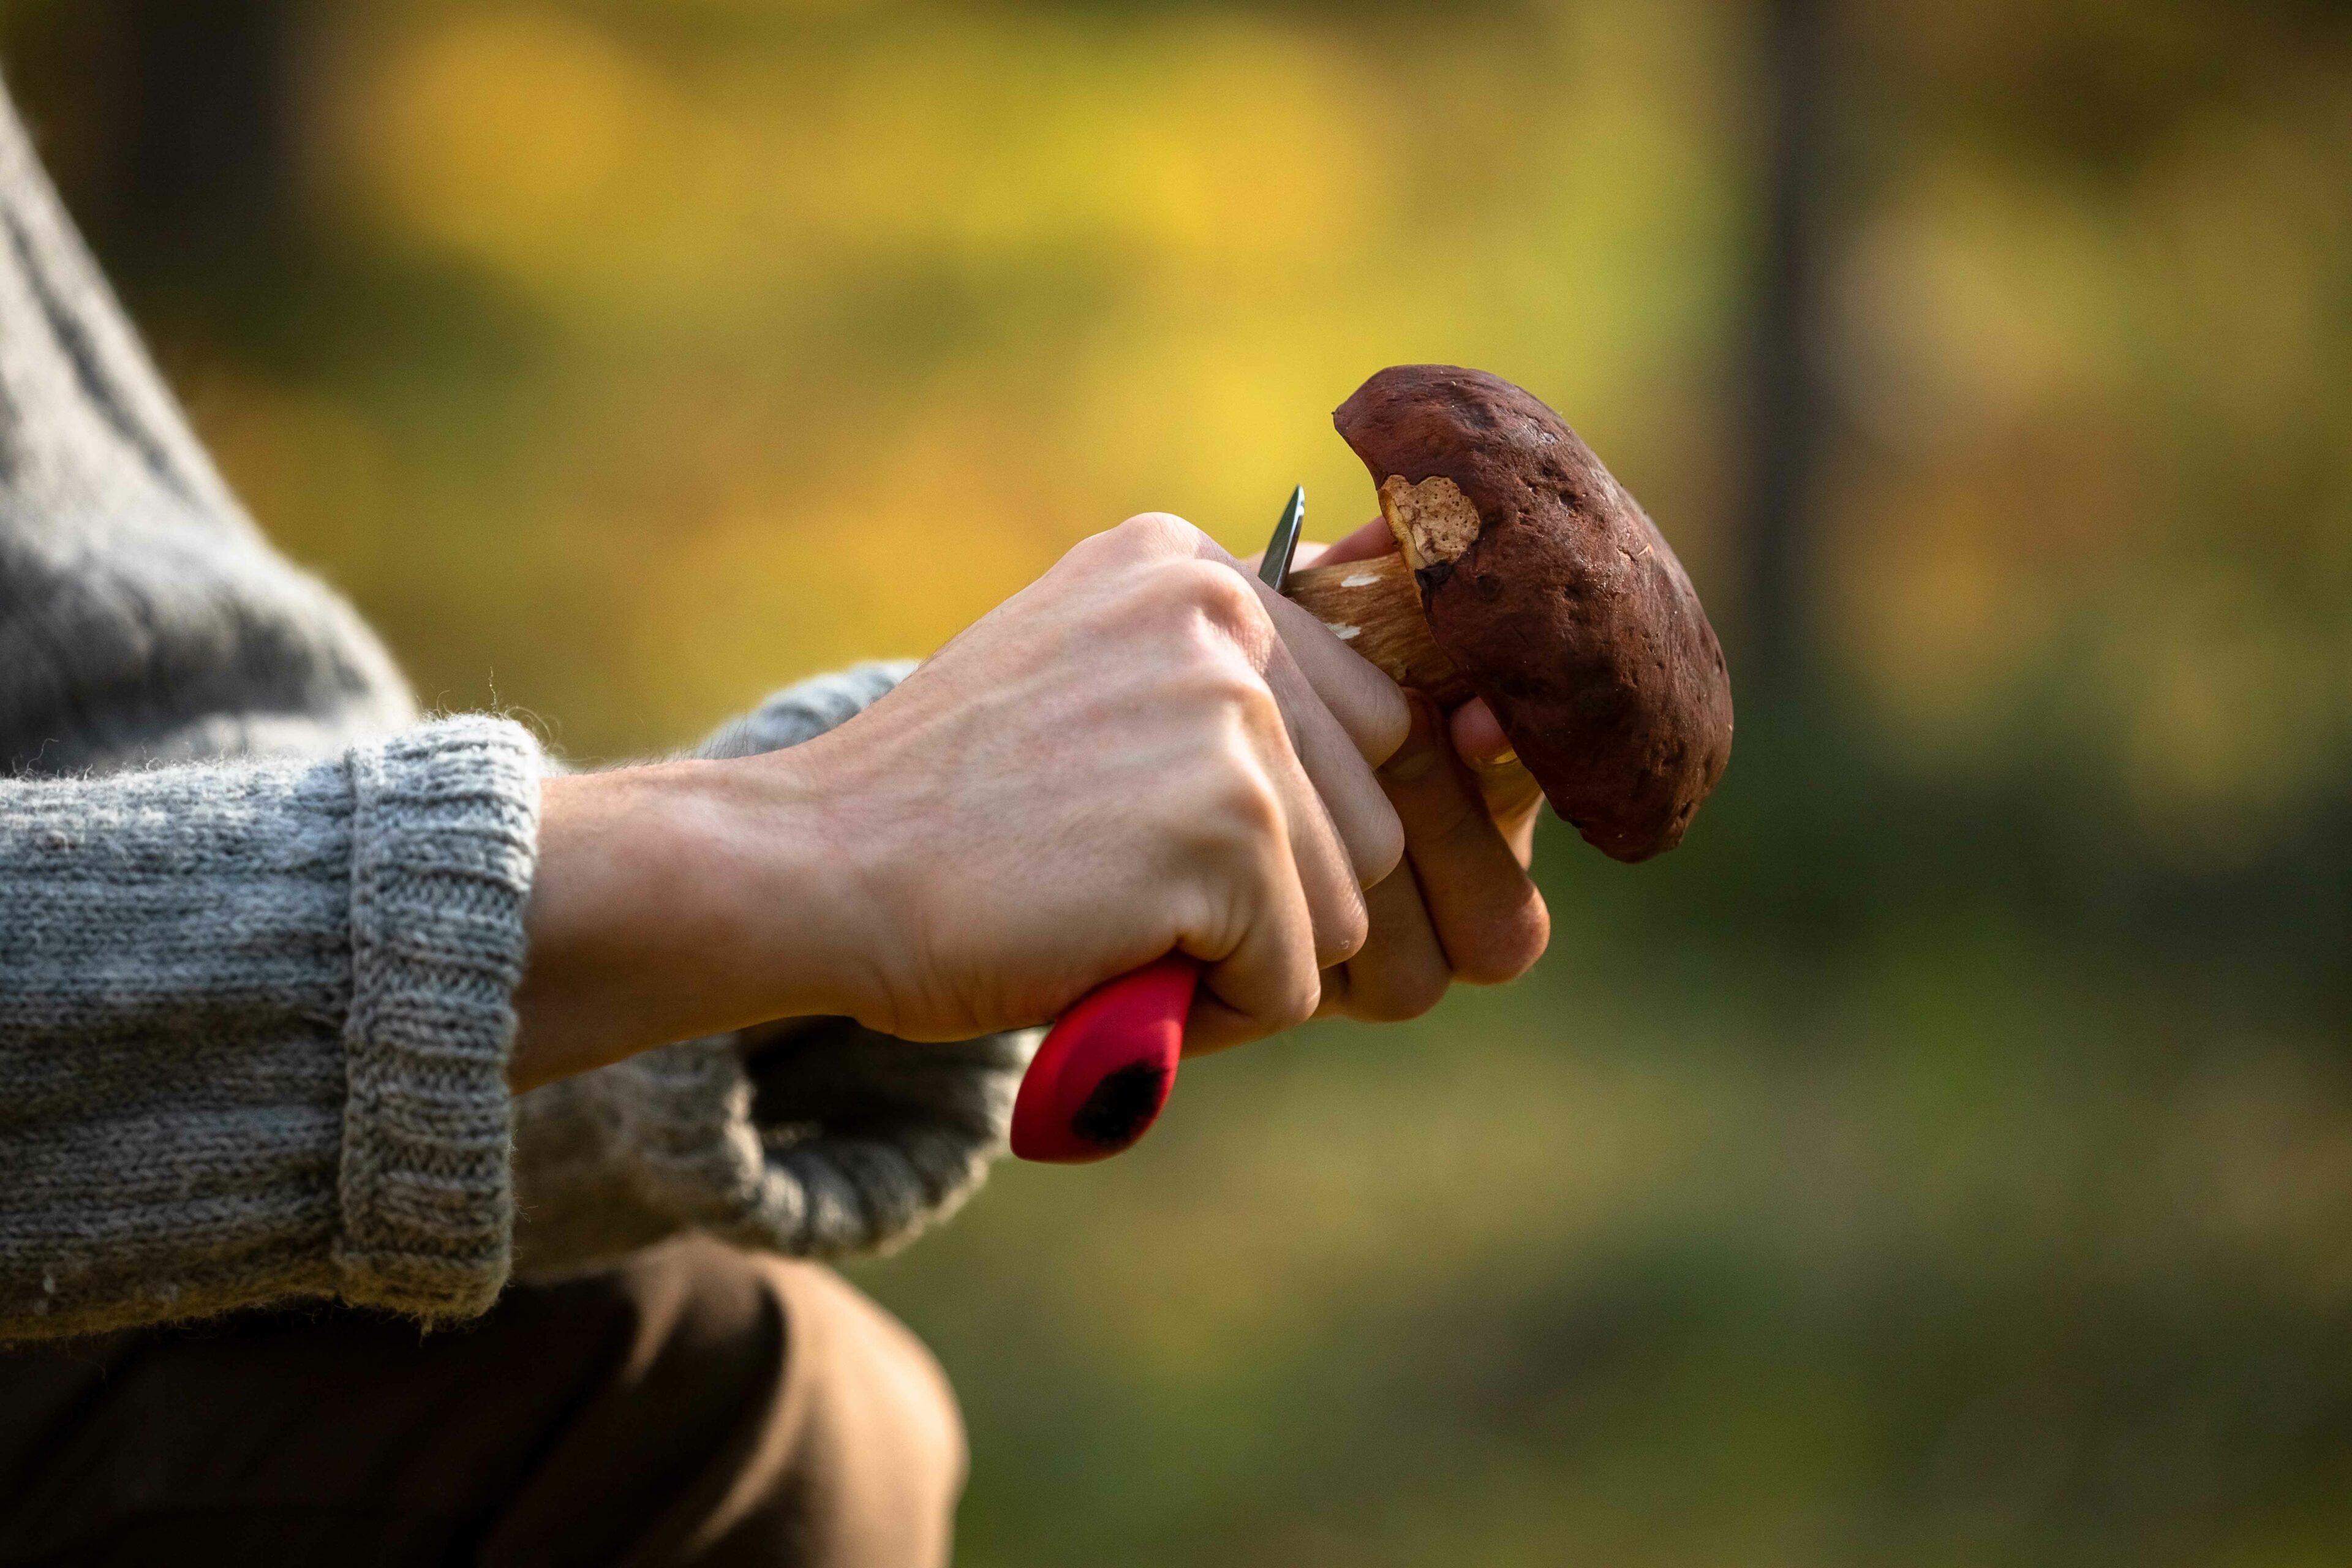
(1099,1081)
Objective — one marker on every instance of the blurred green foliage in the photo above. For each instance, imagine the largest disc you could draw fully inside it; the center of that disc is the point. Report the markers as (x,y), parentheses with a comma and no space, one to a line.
(1946,1157)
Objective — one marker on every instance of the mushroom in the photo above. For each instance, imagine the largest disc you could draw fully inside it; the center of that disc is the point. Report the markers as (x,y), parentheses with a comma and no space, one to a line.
(1524,574)
(1527,575)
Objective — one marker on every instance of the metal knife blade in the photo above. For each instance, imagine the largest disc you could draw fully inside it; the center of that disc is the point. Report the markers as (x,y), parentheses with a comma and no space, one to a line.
(1275,570)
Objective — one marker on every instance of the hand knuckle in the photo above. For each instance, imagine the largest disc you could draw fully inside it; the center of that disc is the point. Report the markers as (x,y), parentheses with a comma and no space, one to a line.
(1350,931)
(1199,601)
(1229,700)
(1243,807)
(1299,1002)
(1112,549)
(1259,711)
(1155,533)
(1222,594)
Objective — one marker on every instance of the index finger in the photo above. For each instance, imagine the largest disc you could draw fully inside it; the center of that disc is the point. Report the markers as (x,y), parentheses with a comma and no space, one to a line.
(1367,705)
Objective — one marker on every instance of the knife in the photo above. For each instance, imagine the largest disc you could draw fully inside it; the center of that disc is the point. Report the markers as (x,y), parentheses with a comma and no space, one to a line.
(1100,1079)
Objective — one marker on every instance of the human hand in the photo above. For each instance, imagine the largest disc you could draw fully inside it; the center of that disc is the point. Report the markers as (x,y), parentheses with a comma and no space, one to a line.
(1461,906)
(1123,759)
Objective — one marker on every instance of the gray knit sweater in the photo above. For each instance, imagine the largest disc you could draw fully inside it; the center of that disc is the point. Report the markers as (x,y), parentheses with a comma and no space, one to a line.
(259,926)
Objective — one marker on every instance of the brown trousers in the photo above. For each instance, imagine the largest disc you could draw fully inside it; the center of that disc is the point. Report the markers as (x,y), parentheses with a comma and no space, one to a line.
(695,1405)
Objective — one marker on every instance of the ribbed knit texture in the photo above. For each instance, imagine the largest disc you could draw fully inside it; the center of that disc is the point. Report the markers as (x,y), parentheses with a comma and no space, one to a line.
(253,1026)
(255,1007)
(445,823)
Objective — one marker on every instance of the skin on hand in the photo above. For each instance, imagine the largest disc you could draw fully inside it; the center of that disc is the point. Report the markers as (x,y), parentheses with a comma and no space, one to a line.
(1123,759)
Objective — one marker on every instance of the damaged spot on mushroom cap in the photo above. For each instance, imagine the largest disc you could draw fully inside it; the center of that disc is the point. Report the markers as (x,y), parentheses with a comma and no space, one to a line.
(1434,521)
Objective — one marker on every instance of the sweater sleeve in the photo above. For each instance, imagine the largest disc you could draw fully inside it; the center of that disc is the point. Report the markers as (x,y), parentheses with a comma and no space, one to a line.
(254,1007)
(254,1023)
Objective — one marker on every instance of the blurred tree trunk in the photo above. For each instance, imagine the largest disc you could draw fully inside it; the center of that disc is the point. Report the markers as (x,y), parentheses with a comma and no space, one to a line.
(208,155)
(170,126)
(1786,409)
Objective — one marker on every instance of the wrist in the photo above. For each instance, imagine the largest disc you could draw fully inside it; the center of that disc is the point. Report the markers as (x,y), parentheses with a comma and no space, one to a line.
(795,929)
(676,901)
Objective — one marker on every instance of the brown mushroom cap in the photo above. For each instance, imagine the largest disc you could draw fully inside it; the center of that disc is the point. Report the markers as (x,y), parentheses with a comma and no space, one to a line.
(1556,595)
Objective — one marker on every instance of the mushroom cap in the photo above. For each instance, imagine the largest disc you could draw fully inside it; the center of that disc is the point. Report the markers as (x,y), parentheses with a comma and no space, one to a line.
(1550,587)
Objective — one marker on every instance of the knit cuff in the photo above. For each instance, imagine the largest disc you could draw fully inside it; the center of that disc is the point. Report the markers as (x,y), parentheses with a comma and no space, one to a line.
(444,838)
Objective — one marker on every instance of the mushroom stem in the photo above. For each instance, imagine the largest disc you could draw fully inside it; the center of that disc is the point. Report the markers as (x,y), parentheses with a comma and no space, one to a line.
(1373,607)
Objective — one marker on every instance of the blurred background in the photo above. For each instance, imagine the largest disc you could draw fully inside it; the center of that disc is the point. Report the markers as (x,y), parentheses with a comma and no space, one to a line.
(1944,1158)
